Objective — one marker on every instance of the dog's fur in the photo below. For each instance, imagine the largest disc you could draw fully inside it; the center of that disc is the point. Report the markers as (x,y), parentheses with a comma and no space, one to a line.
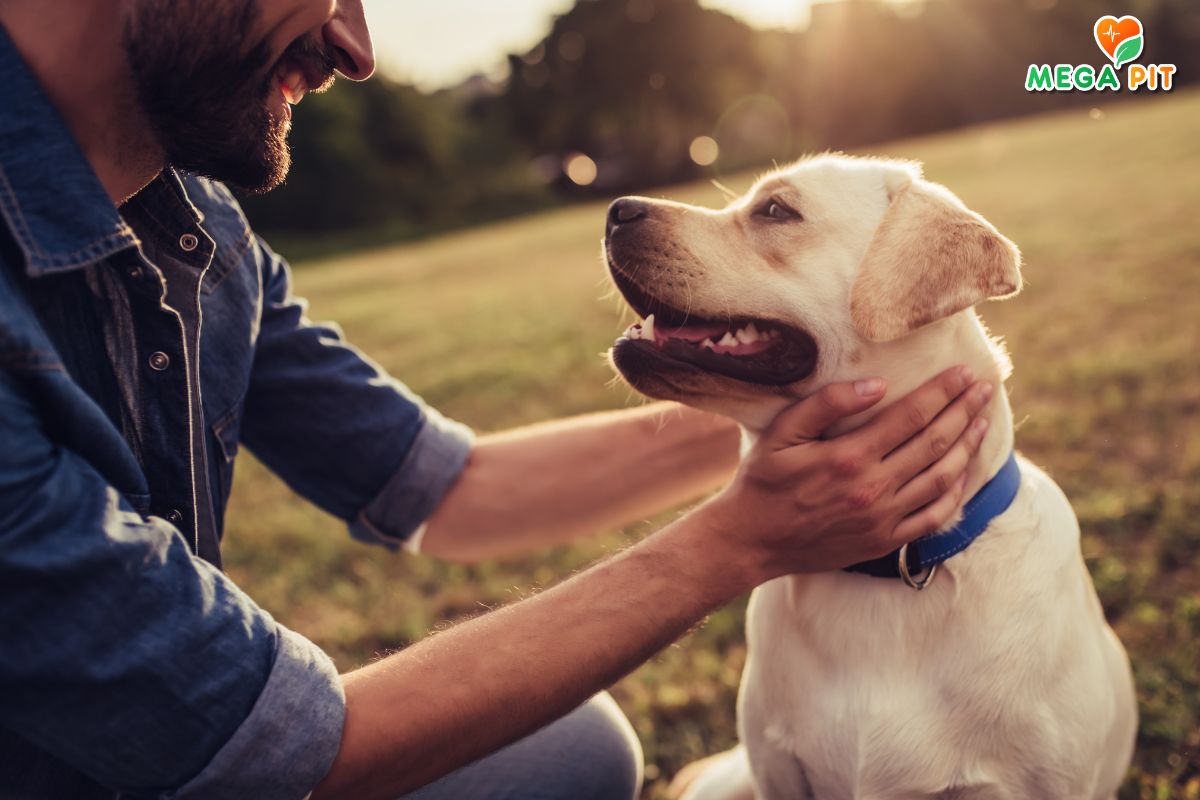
(1001,679)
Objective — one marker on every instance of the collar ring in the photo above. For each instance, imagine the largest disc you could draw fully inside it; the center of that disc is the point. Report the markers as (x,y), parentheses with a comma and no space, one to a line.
(922,579)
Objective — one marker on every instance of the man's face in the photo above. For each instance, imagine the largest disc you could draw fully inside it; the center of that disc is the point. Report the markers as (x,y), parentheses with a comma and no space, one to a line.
(216,78)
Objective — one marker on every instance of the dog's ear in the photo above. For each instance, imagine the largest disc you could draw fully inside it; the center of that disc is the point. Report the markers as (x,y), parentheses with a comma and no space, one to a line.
(930,257)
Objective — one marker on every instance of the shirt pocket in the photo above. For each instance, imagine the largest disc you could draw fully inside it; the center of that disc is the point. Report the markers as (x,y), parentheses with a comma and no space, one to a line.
(226,437)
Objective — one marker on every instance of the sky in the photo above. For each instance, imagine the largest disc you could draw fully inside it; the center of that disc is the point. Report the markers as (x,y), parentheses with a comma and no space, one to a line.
(436,43)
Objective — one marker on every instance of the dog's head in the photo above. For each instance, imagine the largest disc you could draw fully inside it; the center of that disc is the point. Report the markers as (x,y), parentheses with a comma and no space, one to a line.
(790,287)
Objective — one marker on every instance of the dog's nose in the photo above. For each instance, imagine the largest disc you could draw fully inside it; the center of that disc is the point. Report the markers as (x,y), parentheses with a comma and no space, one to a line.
(625,211)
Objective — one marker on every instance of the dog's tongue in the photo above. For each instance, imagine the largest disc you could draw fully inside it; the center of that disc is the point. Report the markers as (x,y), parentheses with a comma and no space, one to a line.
(692,333)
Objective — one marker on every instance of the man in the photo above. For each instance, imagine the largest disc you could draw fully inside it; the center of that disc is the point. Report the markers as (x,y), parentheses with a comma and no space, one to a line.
(145,333)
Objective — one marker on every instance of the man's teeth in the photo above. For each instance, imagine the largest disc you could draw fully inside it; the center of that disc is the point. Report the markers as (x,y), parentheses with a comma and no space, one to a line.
(291,84)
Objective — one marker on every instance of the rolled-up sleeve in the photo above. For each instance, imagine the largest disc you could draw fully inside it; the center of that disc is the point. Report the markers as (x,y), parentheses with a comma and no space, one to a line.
(285,746)
(142,667)
(434,460)
(338,429)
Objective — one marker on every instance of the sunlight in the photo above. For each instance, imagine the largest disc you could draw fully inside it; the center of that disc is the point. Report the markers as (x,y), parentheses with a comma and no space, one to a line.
(766,13)
(428,44)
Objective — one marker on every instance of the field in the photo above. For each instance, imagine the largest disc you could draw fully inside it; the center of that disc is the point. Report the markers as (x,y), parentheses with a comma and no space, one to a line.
(505,325)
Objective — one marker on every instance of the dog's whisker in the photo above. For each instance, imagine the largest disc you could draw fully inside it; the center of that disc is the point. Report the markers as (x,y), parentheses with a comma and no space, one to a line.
(730,194)
(687,286)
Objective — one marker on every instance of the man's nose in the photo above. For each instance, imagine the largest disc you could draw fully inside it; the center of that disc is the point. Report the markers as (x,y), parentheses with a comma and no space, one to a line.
(625,211)
(349,38)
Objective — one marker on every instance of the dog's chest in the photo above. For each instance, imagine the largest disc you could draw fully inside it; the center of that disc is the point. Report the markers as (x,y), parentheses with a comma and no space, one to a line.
(880,691)
(856,713)
(852,693)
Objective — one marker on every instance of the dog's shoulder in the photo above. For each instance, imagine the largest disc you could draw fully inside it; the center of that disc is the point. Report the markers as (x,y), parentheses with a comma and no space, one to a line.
(1042,515)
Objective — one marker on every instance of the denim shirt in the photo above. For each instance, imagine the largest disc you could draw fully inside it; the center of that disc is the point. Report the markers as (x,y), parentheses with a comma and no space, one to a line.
(140,347)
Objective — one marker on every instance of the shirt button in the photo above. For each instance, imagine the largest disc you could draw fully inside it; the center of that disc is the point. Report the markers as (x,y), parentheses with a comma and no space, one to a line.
(135,274)
(175,518)
(188,242)
(159,361)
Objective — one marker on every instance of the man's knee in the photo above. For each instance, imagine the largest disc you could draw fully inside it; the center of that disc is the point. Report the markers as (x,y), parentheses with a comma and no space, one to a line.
(608,751)
(590,754)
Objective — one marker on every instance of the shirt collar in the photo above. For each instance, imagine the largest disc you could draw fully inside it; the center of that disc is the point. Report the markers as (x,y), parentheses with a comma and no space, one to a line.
(58,211)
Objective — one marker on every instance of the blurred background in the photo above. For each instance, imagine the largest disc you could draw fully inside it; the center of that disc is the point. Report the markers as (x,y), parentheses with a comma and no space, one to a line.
(609,96)
(449,213)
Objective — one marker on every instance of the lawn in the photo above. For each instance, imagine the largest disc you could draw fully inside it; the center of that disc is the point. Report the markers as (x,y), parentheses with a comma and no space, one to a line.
(505,325)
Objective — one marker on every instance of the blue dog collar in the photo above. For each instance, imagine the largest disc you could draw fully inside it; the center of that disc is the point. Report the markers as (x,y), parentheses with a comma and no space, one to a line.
(926,554)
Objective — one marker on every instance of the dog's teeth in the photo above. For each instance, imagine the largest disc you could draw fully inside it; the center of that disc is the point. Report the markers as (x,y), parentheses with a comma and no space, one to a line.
(750,334)
(648,328)
(708,344)
(728,340)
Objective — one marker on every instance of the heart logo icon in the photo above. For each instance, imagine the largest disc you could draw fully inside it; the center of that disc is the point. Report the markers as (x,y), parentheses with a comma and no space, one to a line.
(1120,39)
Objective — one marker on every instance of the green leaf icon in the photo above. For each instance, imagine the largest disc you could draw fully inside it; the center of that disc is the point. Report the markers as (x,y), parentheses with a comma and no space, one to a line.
(1127,51)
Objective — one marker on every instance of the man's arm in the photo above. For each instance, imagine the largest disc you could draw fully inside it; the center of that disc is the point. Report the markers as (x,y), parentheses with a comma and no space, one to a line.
(546,484)
(798,504)
(129,659)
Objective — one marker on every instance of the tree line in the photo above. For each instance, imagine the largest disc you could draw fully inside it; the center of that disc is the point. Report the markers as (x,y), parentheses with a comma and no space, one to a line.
(622,95)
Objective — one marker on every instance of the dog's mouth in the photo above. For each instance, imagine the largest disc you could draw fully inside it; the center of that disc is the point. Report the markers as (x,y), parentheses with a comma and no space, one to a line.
(750,349)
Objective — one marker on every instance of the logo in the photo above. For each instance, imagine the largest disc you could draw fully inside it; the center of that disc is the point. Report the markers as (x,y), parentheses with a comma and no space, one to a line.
(1122,41)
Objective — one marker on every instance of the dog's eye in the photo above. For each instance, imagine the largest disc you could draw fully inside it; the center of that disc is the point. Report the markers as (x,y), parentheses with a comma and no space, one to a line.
(775,210)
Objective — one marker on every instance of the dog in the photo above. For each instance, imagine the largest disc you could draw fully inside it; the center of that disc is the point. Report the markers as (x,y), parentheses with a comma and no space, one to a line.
(1000,679)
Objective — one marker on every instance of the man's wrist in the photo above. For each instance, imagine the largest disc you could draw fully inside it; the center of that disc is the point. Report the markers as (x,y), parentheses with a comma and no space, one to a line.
(716,559)
(716,430)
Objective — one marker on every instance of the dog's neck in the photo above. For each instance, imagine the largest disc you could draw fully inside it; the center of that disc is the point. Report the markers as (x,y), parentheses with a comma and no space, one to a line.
(908,363)
(960,339)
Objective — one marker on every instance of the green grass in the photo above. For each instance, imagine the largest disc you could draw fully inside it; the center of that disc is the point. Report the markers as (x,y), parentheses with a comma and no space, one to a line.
(504,325)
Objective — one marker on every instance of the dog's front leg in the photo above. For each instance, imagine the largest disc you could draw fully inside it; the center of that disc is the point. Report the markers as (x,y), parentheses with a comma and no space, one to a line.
(778,774)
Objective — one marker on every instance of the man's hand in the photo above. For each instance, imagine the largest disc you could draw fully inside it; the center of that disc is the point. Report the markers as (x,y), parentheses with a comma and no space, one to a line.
(800,503)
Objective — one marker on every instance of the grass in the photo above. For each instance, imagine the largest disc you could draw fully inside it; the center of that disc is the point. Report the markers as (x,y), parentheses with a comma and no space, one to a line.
(503,325)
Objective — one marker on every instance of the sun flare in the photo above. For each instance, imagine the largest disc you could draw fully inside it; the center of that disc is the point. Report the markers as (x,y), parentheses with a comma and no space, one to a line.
(765,13)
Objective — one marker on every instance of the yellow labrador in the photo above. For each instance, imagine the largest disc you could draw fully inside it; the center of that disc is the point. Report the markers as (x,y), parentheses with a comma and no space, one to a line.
(1001,679)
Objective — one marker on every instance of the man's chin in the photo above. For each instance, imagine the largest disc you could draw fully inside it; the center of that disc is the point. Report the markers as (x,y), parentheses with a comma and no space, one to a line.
(261,179)
(252,169)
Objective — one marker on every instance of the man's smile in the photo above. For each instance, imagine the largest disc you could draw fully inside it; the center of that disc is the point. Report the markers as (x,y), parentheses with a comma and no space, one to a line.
(304,67)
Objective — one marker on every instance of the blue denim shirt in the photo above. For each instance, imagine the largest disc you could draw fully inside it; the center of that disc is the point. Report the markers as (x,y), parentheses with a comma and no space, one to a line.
(140,347)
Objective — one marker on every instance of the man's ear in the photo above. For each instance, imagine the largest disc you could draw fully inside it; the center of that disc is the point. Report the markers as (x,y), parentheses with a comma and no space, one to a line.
(930,257)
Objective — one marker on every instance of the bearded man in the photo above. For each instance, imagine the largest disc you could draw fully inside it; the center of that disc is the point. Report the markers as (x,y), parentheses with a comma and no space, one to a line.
(146,334)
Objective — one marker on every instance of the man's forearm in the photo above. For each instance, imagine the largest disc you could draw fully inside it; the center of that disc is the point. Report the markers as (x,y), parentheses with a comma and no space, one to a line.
(468,691)
(549,483)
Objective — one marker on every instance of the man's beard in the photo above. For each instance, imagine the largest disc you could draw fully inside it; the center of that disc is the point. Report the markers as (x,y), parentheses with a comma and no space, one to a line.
(207,94)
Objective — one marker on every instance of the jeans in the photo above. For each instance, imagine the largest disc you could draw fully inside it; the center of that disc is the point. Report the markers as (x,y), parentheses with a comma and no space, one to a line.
(590,754)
